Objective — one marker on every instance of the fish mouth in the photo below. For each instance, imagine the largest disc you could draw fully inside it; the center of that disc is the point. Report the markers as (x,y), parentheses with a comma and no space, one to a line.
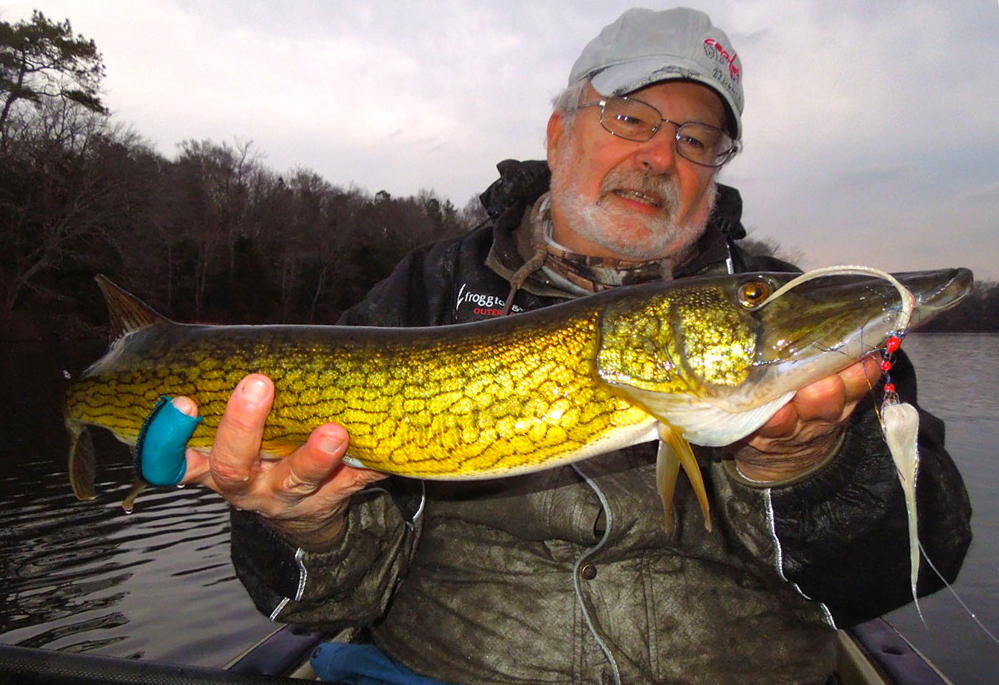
(822,326)
(936,291)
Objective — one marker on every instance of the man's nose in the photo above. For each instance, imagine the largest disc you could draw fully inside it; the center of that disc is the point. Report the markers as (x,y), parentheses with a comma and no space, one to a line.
(658,154)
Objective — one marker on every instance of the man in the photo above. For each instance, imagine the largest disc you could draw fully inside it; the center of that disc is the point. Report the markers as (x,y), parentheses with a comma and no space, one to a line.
(566,576)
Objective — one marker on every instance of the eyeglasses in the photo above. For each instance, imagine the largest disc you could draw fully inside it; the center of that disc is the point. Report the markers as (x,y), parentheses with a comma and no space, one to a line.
(635,120)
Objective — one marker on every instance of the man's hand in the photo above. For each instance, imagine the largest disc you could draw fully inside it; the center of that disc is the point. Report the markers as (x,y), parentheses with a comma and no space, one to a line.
(304,495)
(808,428)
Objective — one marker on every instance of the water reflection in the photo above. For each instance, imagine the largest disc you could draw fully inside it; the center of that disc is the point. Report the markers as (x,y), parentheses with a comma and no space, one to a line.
(958,375)
(959,382)
(86,577)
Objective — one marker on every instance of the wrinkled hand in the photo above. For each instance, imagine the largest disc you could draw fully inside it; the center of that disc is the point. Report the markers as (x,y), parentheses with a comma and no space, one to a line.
(304,495)
(808,428)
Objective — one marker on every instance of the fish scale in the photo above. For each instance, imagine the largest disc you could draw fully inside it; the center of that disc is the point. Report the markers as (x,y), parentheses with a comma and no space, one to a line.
(449,423)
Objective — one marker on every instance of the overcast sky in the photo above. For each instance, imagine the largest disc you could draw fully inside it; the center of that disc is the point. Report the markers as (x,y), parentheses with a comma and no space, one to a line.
(871,129)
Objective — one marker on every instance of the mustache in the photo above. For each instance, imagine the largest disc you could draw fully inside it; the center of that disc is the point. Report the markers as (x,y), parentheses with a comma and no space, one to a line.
(663,190)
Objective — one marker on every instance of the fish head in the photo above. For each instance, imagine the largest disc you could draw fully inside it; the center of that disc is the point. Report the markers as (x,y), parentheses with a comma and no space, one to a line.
(717,357)
(821,326)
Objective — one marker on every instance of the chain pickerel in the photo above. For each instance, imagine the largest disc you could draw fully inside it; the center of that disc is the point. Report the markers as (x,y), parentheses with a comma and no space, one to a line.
(703,360)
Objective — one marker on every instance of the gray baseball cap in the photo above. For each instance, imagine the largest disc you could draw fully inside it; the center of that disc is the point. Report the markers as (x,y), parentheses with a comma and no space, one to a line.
(644,47)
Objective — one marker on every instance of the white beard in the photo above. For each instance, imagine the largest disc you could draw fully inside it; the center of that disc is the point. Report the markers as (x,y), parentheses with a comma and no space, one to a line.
(601,222)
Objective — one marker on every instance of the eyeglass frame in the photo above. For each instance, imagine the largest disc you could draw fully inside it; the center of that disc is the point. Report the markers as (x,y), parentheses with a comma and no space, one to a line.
(728,155)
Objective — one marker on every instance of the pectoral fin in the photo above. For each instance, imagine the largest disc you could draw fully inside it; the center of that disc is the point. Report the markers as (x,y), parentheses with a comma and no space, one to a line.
(667,471)
(675,452)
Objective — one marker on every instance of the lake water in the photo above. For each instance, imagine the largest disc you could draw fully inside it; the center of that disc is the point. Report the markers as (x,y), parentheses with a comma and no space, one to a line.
(959,382)
(158,584)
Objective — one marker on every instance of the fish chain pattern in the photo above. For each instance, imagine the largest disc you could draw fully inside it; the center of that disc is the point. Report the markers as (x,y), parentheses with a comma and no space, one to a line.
(435,405)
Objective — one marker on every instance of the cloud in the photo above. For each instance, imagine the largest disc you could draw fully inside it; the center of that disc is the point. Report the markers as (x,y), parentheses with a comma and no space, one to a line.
(987,194)
(870,127)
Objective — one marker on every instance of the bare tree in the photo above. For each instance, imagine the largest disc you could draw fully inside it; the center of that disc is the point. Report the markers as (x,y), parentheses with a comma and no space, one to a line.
(215,181)
(57,198)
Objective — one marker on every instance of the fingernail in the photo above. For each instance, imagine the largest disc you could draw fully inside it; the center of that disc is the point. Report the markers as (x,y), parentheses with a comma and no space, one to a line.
(254,389)
(185,405)
(329,444)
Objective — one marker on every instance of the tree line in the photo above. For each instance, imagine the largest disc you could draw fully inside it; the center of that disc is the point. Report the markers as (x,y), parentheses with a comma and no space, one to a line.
(211,235)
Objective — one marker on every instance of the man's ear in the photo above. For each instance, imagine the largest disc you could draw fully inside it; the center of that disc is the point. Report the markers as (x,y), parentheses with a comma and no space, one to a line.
(556,129)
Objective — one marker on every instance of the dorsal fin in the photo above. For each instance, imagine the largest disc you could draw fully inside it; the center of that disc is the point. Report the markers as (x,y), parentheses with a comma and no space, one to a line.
(128,313)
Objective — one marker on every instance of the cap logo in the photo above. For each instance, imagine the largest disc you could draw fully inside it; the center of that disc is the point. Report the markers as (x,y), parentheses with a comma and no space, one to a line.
(717,52)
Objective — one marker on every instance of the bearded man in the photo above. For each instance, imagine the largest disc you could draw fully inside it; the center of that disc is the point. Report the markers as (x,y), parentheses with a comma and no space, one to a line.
(567,576)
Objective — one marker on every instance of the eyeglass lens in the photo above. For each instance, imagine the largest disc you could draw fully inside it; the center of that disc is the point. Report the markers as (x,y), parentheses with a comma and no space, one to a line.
(636,120)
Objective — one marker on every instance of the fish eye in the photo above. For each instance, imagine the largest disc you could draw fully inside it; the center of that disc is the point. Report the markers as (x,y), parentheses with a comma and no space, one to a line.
(753,294)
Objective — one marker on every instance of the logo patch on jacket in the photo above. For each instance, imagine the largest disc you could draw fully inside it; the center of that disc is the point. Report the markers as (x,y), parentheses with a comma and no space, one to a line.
(471,305)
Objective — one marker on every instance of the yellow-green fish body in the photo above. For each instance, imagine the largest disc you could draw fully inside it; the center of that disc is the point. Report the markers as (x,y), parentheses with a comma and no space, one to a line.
(423,402)
(698,360)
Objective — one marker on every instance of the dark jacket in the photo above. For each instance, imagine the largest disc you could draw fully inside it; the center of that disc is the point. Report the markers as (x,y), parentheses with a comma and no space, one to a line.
(567,576)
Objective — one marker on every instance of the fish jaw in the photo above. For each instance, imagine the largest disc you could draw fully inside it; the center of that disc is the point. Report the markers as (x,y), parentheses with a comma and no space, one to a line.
(936,291)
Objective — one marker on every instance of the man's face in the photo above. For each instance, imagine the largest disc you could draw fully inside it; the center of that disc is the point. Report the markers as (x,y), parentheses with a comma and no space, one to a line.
(619,198)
